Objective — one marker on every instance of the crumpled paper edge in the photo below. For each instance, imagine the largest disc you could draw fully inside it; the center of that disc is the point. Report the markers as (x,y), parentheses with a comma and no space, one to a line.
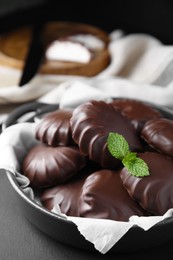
(15,141)
(105,233)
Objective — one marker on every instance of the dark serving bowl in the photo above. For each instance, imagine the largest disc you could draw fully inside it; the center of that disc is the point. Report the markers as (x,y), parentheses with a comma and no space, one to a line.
(65,231)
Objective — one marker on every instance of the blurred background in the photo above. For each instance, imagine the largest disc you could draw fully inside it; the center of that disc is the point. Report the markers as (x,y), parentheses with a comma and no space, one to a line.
(152,17)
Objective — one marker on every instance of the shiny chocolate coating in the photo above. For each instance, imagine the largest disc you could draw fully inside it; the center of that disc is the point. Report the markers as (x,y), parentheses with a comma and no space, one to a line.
(154,192)
(96,195)
(158,133)
(91,123)
(66,195)
(104,196)
(54,128)
(46,166)
(137,111)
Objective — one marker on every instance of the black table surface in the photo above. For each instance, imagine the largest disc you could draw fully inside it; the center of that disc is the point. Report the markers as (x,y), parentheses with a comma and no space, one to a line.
(20,240)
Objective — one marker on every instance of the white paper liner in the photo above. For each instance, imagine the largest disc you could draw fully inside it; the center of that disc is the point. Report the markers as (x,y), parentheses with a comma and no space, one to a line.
(15,141)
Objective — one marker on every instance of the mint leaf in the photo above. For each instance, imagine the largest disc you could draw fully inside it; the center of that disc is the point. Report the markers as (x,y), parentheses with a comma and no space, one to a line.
(119,148)
(117,145)
(130,157)
(136,167)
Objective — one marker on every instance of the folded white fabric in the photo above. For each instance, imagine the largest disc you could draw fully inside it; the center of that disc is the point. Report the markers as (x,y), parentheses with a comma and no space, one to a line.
(141,67)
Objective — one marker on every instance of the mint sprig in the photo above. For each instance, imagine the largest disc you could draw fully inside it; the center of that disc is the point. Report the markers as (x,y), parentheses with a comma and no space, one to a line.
(119,148)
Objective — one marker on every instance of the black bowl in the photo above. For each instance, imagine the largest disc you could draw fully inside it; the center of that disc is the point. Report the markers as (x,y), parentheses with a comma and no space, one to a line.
(66,231)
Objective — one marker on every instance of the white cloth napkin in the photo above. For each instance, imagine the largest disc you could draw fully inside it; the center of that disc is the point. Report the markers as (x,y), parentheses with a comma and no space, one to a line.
(141,67)
(15,141)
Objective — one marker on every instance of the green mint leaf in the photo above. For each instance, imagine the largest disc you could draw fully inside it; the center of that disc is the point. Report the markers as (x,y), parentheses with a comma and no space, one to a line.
(117,145)
(119,148)
(136,166)
(130,157)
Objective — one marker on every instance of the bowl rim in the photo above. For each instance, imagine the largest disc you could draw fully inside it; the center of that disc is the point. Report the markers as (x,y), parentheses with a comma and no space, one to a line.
(118,247)
(11,177)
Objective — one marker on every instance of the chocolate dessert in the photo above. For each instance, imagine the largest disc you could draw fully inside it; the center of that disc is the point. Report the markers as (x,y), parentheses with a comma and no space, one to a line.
(100,195)
(137,111)
(158,133)
(88,179)
(91,123)
(54,128)
(46,166)
(154,192)
(104,196)
(66,195)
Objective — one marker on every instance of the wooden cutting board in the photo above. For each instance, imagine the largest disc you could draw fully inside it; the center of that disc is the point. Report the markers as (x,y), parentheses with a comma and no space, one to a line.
(14,46)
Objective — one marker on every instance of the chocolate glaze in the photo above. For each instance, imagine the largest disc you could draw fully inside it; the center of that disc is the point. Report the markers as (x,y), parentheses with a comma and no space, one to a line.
(104,196)
(66,195)
(99,195)
(137,111)
(91,123)
(46,166)
(158,133)
(154,192)
(54,129)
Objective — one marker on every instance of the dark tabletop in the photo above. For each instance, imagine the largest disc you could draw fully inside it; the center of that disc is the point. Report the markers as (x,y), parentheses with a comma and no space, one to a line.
(20,240)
